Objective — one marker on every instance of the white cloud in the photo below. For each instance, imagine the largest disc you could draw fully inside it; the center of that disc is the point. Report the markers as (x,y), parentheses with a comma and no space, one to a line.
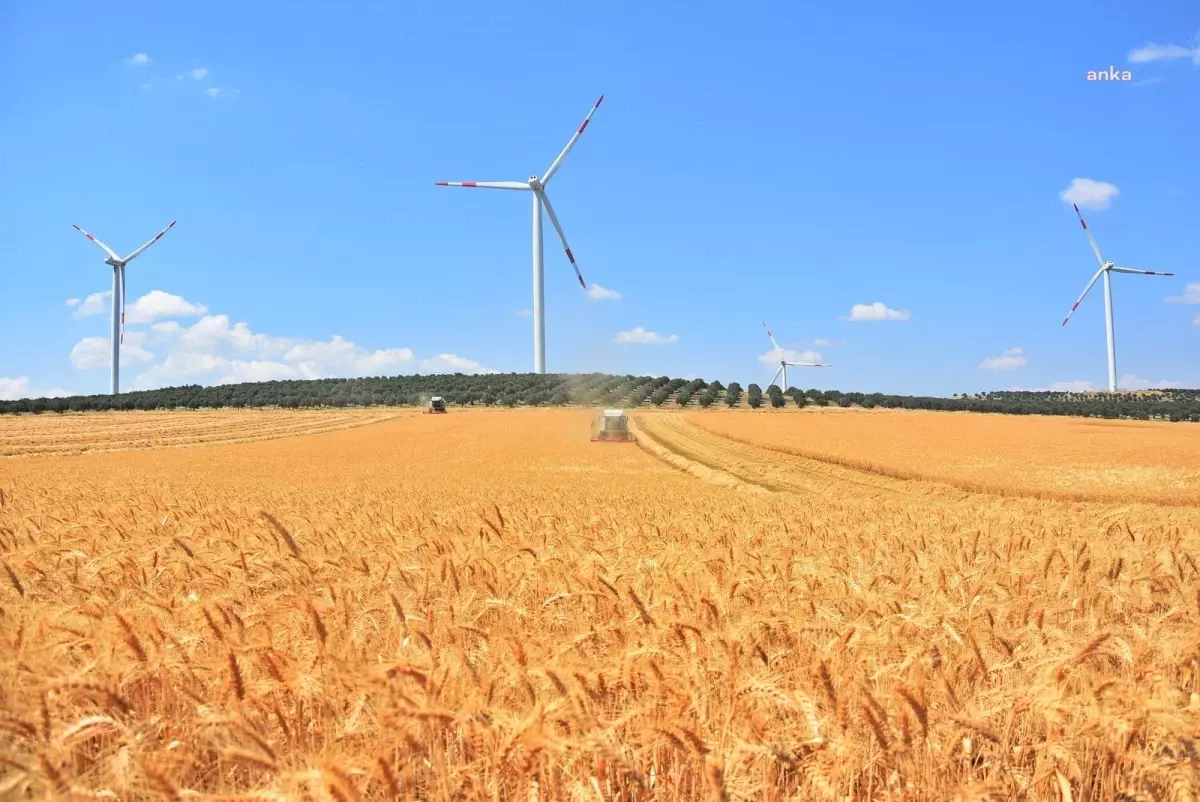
(524,313)
(1089,194)
(452,363)
(12,389)
(216,350)
(876,311)
(640,335)
(158,304)
(1011,359)
(1155,52)
(599,293)
(96,303)
(198,73)
(1131,382)
(216,92)
(1074,386)
(140,59)
(1191,295)
(821,343)
(772,358)
(93,353)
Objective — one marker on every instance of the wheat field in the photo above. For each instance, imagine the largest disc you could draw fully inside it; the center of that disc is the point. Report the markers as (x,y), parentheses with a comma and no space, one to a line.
(485,605)
(81,433)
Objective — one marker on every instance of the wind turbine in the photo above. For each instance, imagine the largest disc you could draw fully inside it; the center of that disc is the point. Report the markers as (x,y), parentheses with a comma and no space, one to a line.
(1106,267)
(784,364)
(540,199)
(118,296)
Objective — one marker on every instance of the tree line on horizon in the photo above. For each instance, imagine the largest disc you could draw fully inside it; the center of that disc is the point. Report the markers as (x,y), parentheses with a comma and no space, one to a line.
(600,389)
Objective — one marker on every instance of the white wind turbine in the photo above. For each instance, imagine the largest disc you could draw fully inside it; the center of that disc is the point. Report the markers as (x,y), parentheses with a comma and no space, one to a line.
(1106,267)
(785,364)
(540,200)
(118,296)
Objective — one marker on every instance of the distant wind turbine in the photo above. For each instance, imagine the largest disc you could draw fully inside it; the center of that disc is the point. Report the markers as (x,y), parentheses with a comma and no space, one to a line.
(1106,267)
(118,296)
(784,364)
(540,200)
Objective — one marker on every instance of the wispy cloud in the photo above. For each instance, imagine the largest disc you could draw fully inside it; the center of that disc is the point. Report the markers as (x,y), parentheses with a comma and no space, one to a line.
(94,304)
(1170,52)
(1089,194)
(20,387)
(1191,295)
(524,313)
(216,93)
(1011,359)
(196,75)
(138,59)
(876,311)
(1074,386)
(773,357)
(640,335)
(599,293)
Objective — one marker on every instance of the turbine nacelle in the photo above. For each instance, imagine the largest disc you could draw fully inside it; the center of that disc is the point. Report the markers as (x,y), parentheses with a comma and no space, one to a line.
(534,183)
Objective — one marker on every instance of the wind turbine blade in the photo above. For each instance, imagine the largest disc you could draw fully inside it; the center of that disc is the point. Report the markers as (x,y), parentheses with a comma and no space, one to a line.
(1139,272)
(107,249)
(1082,294)
(1091,240)
(554,165)
(152,240)
(776,376)
(808,365)
(561,237)
(772,336)
(483,184)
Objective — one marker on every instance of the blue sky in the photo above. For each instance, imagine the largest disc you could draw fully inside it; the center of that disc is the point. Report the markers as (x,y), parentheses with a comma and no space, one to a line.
(768,162)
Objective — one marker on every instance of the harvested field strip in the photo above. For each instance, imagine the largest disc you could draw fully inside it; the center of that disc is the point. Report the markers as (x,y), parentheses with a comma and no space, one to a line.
(121,431)
(776,471)
(1042,457)
(687,462)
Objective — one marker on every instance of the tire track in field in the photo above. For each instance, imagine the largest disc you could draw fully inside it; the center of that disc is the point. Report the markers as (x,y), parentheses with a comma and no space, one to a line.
(780,472)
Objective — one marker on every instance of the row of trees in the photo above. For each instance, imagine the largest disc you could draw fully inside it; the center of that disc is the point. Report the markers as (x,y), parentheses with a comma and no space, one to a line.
(598,389)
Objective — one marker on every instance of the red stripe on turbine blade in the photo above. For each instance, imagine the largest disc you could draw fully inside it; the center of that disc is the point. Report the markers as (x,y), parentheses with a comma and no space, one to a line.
(468,183)
(1076,306)
(580,131)
(581,282)
(570,255)
(441,183)
(598,102)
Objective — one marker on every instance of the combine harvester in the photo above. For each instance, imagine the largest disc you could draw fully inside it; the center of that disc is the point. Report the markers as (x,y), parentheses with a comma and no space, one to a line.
(437,406)
(612,426)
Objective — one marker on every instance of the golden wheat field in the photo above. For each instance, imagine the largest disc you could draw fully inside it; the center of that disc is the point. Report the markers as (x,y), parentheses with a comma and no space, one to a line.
(485,605)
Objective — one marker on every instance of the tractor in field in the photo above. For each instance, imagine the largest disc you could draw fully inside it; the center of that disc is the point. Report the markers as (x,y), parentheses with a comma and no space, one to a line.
(612,426)
(437,406)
